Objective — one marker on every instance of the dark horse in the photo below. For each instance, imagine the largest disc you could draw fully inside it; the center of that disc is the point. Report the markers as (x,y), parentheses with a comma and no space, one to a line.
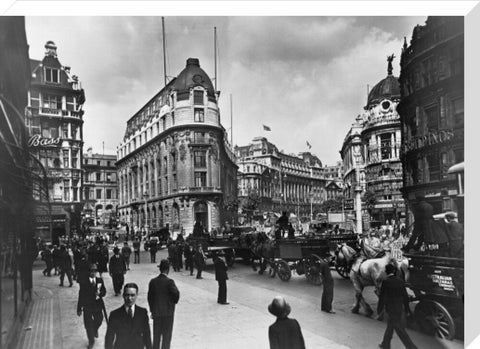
(261,250)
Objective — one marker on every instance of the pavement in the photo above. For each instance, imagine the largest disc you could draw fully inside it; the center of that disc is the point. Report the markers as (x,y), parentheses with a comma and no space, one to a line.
(52,322)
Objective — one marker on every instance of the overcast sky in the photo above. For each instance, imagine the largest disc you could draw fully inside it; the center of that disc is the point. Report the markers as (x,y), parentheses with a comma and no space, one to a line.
(304,77)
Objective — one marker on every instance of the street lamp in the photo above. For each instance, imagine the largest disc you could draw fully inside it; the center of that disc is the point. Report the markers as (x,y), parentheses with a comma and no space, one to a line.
(145,195)
(358,192)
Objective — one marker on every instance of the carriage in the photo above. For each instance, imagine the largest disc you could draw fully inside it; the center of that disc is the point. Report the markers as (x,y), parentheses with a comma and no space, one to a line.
(304,255)
(438,285)
(222,245)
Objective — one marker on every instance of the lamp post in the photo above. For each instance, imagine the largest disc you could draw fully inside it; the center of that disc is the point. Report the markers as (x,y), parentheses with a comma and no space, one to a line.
(145,195)
(358,192)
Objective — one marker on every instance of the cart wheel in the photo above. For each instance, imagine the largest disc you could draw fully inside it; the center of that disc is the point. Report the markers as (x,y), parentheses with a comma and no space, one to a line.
(312,270)
(283,270)
(343,270)
(434,319)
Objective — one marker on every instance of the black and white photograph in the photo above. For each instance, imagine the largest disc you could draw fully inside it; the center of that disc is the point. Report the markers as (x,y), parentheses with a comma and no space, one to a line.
(207,179)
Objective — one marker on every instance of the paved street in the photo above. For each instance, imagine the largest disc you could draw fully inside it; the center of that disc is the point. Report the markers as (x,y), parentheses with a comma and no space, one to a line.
(201,323)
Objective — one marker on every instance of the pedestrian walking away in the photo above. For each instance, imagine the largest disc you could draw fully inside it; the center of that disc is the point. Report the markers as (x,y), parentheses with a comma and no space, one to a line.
(163,295)
(153,250)
(128,326)
(65,265)
(47,257)
(394,298)
(90,303)
(117,270)
(189,253)
(136,251)
(126,252)
(327,281)
(284,333)
(199,261)
(221,277)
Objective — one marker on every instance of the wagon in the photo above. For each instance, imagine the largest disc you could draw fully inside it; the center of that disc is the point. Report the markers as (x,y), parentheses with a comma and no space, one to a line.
(305,254)
(224,245)
(438,286)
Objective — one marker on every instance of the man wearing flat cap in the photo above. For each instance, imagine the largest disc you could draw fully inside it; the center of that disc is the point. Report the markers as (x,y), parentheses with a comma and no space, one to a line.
(285,333)
(163,294)
(90,302)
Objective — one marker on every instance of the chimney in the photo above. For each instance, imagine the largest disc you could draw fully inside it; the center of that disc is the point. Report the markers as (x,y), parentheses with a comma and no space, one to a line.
(51,49)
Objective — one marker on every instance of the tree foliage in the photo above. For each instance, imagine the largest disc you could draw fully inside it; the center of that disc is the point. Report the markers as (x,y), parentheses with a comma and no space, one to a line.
(369,199)
(334,204)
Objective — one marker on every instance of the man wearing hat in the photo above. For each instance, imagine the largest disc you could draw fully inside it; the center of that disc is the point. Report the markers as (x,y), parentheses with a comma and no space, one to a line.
(90,302)
(327,281)
(117,269)
(221,277)
(422,227)
(163,294)
(455,235)
(285,333)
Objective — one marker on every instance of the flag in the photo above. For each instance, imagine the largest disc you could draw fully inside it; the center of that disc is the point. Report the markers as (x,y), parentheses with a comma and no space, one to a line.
(266,128)
(309,145)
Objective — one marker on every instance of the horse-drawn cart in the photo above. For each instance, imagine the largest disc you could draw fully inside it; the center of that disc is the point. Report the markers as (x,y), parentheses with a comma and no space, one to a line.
(305,254)
(438,285)
(223,245)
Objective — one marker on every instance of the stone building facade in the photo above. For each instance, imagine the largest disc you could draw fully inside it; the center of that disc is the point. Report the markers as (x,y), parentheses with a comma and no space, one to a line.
(283,182)
(432,110)
(175,165)
(54,119)
(100,188)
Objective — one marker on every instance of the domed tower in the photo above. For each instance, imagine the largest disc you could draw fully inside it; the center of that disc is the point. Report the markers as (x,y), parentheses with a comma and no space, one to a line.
(175,165)
(381,139)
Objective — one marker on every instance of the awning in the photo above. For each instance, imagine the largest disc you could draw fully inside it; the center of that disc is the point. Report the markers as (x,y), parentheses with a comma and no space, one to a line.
(460,167)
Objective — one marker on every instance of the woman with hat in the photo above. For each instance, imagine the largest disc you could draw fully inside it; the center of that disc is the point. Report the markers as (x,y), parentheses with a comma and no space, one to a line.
(285,333)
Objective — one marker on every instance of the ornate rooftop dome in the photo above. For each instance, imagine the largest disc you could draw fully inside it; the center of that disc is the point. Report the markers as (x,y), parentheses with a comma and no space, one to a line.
(386,88)
(193,76)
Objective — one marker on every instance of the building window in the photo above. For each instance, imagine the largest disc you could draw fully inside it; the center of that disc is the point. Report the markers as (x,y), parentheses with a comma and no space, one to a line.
(50,101)
(51,75)
(173,118)
(431,118)
(200,159)
(54,132)
(98,176)
(433,167)
(175,183)
(74,158)
(65,159)
(200,179)
(98,162)
(164,123)
(386,145)
(199,115)
(108,163)
(87,193)
(74,132)
(65,130)
(198,97)
(199,137)
(174,162)
(458,111)
(66,190)
(75,190)
(109,177)
(109,193)
(99,194)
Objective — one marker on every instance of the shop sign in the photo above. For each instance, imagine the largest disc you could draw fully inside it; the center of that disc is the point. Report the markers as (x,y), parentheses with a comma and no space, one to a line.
(432,138)
(383,205)
(443,281)
(39,141)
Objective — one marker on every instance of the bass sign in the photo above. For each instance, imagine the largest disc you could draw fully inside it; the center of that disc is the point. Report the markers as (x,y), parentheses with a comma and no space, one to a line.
(38,141)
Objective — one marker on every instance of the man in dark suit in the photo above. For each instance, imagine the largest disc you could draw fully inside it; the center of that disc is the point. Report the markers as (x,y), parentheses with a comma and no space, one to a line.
(394,298)
(117,269)
(163,294)
(221,277)
(91,303)
(327,280)
(422,228)
(128,326)
(285,333)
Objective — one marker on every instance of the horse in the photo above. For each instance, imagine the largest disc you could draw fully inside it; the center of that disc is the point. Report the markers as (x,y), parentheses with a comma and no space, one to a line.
(371,272)
(261,248)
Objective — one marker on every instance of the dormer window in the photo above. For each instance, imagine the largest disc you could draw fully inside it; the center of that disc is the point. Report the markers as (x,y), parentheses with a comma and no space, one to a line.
(198,97)
(52,75)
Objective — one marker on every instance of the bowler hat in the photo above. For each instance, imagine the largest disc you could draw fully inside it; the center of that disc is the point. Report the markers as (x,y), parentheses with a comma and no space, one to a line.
(279,307)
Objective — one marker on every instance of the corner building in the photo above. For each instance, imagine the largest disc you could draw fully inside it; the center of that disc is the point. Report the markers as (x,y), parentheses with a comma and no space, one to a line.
(174,164)
(432,111)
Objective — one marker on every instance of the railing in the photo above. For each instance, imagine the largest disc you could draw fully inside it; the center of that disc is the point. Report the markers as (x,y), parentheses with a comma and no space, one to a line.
(56,112)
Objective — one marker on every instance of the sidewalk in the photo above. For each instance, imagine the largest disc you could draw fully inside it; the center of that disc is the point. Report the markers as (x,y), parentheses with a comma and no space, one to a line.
(200,322)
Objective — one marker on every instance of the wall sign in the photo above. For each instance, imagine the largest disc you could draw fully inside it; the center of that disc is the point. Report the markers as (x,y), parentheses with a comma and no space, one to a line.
(433,137)
(39,141)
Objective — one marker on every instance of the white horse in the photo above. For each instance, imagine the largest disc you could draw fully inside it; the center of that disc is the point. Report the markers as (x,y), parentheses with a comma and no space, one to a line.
(370,272)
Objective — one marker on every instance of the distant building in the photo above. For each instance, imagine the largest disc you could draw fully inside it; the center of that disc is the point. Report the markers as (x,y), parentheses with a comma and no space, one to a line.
(371,153)
(100,188)
(54,119)
(175,165)
(432,110)
(281,181)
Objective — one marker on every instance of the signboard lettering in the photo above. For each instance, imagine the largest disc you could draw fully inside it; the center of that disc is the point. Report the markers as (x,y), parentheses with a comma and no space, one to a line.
(443,281)
(39,141)
(430,139)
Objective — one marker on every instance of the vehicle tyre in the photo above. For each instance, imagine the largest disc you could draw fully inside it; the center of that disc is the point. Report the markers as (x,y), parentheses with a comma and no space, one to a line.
(312,270)
(343,270)
(434,319)
(283,270)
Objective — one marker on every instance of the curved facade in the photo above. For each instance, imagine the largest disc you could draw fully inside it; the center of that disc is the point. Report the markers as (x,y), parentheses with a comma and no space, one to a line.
(432,110)
(174,164)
